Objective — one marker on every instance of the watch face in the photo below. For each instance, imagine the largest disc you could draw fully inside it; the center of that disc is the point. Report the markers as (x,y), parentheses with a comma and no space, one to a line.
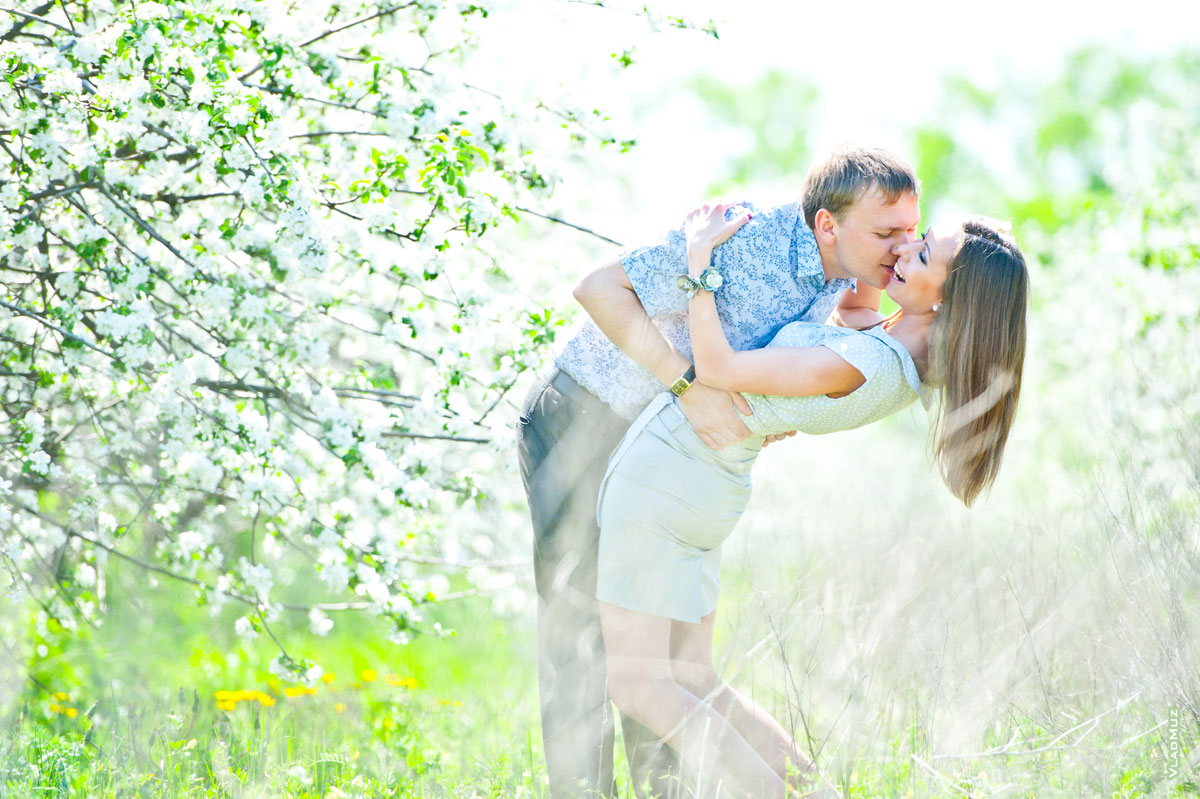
(687,283)
(711,279)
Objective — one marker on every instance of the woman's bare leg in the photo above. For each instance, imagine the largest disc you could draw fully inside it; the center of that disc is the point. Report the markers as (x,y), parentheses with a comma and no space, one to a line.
(641,683)
(692,668)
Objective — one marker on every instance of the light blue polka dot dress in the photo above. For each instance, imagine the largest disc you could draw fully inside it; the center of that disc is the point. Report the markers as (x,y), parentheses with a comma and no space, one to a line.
(891,383)
(668,502)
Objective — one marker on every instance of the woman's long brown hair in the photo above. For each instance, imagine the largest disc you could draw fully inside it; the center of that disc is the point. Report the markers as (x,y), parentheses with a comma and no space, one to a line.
(977,351)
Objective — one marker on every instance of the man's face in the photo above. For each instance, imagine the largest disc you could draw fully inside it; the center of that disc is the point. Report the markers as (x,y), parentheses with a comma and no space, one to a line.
(867,232)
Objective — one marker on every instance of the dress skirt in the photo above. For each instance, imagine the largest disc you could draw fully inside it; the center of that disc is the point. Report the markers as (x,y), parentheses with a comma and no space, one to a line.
(666,505)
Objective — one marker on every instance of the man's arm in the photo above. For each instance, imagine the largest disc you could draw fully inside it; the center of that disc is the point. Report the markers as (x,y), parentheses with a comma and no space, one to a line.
(857,309)
(609,298)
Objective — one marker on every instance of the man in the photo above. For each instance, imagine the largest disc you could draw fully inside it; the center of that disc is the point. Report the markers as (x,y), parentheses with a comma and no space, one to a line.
(795,261)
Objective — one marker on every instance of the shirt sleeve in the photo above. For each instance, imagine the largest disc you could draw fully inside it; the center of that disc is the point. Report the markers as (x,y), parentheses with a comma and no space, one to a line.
(654,270)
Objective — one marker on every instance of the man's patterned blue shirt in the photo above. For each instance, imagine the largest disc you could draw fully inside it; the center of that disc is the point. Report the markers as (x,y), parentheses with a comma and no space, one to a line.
(773,275)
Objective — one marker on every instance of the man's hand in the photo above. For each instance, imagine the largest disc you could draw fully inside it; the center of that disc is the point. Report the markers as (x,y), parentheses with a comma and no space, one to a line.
(716,415)
(771,439)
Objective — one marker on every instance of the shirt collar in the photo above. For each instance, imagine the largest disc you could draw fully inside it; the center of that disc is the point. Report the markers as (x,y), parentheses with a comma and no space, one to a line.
(809,260)
(809,267)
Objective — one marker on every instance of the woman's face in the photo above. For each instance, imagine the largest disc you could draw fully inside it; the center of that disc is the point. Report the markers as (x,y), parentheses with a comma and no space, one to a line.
(922,268)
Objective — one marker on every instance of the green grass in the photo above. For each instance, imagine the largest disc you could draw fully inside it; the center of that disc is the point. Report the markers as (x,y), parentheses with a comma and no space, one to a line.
(441,717)
(132,709)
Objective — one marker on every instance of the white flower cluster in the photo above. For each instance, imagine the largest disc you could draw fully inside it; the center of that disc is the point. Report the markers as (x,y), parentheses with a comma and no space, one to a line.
(259,303)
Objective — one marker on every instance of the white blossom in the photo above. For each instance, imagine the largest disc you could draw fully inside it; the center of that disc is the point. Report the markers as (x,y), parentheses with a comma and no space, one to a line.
(86,575)
(257,576)
(245,628)
(320,623)
(261,318)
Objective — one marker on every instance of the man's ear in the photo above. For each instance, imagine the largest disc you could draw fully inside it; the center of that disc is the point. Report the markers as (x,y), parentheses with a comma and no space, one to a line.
(825,227)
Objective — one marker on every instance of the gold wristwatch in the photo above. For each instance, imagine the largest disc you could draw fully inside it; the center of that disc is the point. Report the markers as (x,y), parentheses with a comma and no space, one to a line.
(683,382)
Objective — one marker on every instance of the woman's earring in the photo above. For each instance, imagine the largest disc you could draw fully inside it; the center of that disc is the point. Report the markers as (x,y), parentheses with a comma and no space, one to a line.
(936,307)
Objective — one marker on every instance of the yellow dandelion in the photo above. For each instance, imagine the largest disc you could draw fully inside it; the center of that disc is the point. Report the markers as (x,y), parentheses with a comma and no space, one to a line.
(55,707)
(226,696)
(327,678)
(298,690)
(226,705)
(368,675)
(403,682)
(71,712)
(339,707)
(61,696)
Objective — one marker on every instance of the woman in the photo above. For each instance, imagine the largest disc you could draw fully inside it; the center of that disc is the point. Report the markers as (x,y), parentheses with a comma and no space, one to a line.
(668,502)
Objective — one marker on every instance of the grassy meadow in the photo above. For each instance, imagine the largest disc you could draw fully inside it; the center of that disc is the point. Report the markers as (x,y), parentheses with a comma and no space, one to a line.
(1043,644)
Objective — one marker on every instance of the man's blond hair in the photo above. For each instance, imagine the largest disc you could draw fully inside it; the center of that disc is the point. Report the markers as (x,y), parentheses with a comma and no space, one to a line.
(848,173)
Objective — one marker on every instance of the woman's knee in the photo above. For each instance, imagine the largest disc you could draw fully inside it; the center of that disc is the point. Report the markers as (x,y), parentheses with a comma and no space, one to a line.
(635,692)
(623,689)
(699,679)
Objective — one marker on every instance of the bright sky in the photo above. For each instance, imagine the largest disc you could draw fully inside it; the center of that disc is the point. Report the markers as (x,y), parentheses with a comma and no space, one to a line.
(878,70)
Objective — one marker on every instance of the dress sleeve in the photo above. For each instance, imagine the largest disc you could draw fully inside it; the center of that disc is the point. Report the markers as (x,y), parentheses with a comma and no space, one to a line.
(865,353)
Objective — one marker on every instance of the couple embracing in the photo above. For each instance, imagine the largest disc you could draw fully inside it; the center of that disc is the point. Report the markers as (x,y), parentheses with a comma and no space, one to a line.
(738,329)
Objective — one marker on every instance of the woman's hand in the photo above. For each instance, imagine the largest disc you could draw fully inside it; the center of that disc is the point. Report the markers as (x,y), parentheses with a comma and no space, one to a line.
(706,227)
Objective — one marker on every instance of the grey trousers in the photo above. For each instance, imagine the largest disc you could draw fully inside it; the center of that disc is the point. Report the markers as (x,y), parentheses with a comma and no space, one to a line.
(564,437)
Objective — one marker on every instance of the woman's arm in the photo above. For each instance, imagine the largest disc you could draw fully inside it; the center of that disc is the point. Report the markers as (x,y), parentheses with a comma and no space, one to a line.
(608,297)
(782,371)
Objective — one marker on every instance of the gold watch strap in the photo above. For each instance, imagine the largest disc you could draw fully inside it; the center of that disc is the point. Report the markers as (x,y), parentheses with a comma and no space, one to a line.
(683,382)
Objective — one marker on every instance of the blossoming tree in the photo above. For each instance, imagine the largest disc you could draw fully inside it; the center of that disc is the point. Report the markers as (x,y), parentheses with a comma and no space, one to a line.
(251,315)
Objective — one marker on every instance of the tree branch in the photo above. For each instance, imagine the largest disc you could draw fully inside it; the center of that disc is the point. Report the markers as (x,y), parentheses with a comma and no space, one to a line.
(435,436)
(320,133)
(56,328)
(32,18)
(359,21)
(557,220)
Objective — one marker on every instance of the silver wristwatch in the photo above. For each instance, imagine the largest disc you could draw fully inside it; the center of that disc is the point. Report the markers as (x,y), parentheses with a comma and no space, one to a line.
(710,280)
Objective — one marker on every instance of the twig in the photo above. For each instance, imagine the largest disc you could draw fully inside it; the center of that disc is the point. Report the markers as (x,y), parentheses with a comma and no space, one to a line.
(19,26)
(580,228)
(56,328)
(145,226)
(358,21)
(925,766)
(435,436)
(503,393)
(320,133)
(35,18)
